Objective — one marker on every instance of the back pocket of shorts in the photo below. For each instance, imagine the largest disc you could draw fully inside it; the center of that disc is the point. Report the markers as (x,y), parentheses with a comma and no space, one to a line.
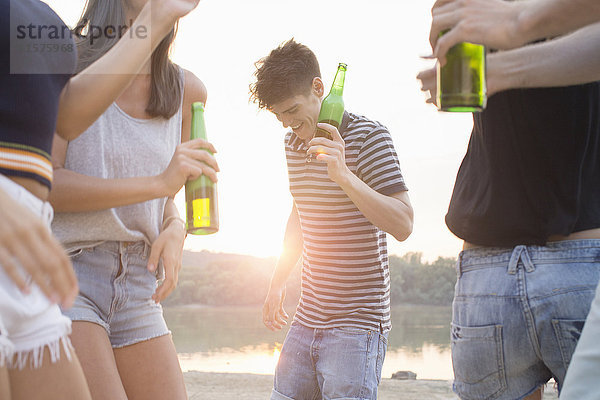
(567,333)
(478,361)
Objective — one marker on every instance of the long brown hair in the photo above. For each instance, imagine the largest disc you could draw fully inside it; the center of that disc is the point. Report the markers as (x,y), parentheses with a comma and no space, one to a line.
(165,87)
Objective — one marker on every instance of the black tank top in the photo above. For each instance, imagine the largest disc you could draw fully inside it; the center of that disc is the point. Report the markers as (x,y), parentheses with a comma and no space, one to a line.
(37,58)
(532,168)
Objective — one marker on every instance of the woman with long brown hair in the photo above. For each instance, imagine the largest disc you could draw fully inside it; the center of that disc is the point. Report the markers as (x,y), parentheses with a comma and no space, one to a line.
(113,194)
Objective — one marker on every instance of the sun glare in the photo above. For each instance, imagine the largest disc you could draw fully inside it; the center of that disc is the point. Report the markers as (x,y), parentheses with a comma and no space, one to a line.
(251,359)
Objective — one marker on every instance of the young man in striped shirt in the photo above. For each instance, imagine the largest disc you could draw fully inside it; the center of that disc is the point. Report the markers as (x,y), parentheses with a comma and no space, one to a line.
(348,192)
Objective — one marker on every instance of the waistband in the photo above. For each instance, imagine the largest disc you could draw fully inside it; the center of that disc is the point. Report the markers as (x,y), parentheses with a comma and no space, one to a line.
(142,248)
(42,209)
(584,250)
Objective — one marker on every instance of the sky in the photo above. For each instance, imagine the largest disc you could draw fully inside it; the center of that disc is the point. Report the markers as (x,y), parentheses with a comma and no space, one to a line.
(381,41)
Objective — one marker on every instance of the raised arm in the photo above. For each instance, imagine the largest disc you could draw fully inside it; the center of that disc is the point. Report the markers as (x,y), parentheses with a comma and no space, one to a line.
(73,192)
(87,95)
(568,60)
(390,213)
(501,24)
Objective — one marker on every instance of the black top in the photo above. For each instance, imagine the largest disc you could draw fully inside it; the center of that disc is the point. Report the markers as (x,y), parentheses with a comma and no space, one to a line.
(532,168)
(37,58)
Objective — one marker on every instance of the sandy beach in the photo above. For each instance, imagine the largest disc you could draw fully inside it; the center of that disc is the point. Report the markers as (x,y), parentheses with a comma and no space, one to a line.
(227,386)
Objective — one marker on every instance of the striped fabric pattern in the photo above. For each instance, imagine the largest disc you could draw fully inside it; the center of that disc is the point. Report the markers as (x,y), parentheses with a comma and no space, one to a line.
(345,275)
(22,160)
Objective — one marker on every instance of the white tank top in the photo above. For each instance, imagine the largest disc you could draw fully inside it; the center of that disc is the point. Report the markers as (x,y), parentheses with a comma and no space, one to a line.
(119,146)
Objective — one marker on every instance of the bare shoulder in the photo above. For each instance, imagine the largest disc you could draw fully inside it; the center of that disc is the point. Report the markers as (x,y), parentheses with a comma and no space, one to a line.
(193,90)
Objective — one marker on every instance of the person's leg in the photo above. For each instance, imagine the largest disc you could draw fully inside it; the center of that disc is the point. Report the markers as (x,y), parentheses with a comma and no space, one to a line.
(150,370)
(97,360)
(4,384)
(60,379)
(349,362)
(142,345)
(295,376)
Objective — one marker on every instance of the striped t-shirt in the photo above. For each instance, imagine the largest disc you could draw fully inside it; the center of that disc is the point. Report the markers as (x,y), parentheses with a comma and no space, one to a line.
(345,275)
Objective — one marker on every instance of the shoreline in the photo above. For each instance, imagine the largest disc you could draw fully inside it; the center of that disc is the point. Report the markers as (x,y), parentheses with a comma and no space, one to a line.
(222,386)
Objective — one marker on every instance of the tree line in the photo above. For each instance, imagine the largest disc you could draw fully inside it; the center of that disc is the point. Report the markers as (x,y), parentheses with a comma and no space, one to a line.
(229,280)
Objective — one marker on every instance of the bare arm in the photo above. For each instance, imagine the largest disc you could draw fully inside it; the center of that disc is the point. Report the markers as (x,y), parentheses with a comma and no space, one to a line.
(502,24)
(88,94)
(168,247)
(392,214)
(73,192)
(569,60)
(274,316)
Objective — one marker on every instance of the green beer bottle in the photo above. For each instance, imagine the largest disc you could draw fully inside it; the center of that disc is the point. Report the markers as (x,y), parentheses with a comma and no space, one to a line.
(201,193)
(332,107)
(461,82)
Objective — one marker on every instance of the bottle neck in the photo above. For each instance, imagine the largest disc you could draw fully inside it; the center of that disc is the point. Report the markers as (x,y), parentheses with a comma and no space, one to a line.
(338,83)
(198,127)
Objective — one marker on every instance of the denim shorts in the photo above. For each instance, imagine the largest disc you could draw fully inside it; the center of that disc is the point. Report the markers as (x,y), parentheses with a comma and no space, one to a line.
(334,363)
(29,323)
(115,292)
(517,316)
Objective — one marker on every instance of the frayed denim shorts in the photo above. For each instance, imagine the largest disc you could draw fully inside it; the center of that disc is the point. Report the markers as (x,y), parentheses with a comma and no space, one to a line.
(29,323)
(115,292)
(334,363)
(518,314)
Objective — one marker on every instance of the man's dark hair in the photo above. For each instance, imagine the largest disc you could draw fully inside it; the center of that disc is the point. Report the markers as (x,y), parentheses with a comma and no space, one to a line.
(287,71)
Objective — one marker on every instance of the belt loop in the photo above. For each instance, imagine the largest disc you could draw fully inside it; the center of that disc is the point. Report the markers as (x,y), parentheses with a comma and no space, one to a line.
(459,265)
(529,266)
(514,259)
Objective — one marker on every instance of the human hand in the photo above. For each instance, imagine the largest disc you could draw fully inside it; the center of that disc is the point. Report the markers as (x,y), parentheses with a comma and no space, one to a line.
(274,316)
(428,80)
(189,162)
(26,241)
(492,23)
(495,80)
(332,151)
(167,247)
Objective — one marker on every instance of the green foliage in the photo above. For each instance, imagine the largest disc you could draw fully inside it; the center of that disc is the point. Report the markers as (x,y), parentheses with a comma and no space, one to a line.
(416,282)
(226,279)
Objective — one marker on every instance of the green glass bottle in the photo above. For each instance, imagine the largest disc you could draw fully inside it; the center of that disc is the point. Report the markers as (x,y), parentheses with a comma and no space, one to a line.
(332,107)
(461,81)
(201,193)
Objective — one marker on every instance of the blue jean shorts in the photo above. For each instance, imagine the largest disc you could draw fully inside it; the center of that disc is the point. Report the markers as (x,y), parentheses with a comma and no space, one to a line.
(335,363)
(115,292)
(517,316)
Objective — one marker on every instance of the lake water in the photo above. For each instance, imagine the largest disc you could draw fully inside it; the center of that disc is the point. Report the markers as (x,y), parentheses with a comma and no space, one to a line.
(233,339)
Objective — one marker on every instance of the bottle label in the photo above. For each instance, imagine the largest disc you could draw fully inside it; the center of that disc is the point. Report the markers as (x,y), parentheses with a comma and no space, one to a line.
(201,210)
